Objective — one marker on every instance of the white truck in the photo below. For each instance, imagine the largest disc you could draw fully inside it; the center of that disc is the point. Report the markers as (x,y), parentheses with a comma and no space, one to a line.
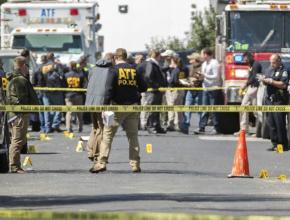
(67,28)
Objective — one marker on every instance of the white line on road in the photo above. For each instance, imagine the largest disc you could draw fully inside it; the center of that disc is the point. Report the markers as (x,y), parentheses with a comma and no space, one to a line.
(229,138)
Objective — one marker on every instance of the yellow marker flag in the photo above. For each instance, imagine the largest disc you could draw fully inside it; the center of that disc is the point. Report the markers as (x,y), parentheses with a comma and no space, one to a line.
(149,148)
(280,149)
(264,174)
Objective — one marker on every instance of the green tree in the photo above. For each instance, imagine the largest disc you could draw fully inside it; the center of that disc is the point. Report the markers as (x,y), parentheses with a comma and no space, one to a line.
(172,43)
(202,33)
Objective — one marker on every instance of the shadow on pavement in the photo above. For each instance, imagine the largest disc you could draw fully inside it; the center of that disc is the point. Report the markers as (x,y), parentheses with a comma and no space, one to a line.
(39,201)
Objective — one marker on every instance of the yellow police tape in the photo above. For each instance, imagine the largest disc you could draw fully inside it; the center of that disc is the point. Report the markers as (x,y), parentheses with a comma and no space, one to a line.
(144,108)
(149,90)
(22,214)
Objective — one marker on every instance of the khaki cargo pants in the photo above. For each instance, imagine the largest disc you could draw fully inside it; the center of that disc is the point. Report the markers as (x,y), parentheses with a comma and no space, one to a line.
(93,146)
(18,139)
(76,100)
(130,121)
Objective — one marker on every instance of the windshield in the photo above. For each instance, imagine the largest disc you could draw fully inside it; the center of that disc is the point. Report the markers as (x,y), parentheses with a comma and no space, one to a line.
(8,63)
(48,42)
(256,31)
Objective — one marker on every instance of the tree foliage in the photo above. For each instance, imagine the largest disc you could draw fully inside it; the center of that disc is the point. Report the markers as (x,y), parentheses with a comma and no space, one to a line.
(202,33)
(172,43)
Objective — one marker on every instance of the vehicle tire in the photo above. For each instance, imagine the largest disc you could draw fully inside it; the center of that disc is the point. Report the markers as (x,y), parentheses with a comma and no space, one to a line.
(265,130)
(229,122)
(24,149)
(4,147)
(4,162)
(259,129)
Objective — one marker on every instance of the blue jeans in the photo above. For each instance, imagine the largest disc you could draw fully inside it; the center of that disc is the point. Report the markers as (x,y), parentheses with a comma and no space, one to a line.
(214,97)
(41,114)
(52,119)
(191,98)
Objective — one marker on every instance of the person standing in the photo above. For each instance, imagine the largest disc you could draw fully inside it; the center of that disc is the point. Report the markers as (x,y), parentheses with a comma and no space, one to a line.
(54,78)
(123,87)
(276,82)
(155,79)
(74,80)
(192,97)
(38,81)
(19,92)
(251,88)
(175,97)
(212,78)
(95,96)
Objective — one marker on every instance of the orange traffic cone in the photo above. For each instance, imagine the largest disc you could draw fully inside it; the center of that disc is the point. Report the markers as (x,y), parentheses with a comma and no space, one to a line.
(241,163)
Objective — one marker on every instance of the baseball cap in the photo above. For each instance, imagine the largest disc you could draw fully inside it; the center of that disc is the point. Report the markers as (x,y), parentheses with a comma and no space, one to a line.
(169,53)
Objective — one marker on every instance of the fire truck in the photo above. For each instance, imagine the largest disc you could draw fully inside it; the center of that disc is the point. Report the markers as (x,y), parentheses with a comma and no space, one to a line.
(67,28)
(261,27)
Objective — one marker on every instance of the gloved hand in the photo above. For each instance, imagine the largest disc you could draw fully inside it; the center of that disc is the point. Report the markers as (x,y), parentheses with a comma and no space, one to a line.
(260,77)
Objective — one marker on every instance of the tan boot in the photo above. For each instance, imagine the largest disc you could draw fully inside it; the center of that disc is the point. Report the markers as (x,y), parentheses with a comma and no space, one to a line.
(97,168)
(136,169)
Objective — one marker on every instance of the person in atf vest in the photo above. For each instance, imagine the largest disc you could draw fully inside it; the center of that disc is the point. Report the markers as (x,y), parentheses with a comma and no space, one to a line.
(123,87)
(276,81)
(53,78)
(19,92)
(74,80)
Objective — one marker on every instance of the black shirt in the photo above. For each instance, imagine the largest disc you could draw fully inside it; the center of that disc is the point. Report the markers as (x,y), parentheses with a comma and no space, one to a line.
(255,69)
(177,74)
(124,85)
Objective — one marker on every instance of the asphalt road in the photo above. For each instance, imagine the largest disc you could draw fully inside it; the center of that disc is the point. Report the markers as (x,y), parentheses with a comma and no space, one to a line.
(184,174)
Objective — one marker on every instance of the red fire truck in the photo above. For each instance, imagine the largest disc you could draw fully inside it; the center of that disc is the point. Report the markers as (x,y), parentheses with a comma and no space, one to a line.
(261,27)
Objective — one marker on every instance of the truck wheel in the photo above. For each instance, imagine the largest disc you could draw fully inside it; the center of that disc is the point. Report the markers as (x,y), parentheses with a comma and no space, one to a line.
(4,162)
(24,149)
(265,130)
(229,122)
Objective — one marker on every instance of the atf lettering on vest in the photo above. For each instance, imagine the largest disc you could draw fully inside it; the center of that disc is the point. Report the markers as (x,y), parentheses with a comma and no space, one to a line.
(73,82)
(47,68)
(127,77)
(181,75)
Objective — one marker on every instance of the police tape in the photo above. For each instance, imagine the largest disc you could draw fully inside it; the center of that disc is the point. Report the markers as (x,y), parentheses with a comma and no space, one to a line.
(144,108)
(149,90)
(23,214)
(60,89)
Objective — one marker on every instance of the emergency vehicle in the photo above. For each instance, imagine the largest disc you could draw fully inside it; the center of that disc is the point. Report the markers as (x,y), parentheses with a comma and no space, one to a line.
(67,28)
(261,27)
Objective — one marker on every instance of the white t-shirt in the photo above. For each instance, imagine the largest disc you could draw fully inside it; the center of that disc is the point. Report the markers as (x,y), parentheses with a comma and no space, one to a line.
(211,72)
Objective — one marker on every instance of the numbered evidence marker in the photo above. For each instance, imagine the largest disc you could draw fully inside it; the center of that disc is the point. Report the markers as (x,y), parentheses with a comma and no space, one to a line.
(149,148)
(80,147)
(27,163)
(282,177)
(264,174)
(280,149)
(44,137)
